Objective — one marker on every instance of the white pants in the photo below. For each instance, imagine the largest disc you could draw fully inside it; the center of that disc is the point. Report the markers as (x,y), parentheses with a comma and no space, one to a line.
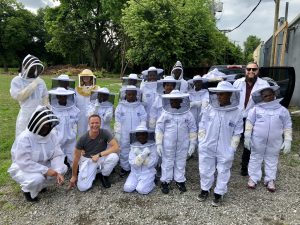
(143,184)
(68,149)
(88,169)
(32,182)
(208,163)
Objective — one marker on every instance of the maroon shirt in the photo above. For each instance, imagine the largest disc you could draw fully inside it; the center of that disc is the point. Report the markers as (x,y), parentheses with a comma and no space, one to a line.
(248,92)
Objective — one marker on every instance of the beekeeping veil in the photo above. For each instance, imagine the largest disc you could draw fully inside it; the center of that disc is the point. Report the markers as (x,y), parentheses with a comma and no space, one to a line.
(257,97)
(32,67)
(101,92)
(132,79)
(159,73)
(224,86)
(55,94)
(191,83)
(168,79)
(123,90)
(64,81)
(41,117)
(176,95)
(142,129)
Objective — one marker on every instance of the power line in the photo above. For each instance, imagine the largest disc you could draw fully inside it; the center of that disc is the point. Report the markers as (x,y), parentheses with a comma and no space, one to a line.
(227,31)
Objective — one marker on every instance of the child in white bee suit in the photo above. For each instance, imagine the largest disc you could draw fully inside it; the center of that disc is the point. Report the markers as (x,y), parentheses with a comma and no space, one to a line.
(149,86)
(164,86)
(176,138)
(268,129)
(86,84)
(63,106)
(143,159)
(129,114)
(102,104)
(177,73)
(132,79)
(29,90)
(36,155)
(64,81)
(219,134)
(199,96)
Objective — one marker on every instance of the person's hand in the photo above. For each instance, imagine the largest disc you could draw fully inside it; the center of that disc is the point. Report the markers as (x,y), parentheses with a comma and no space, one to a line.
(159,149)
(51,173)
(72,182)
(96,157)
(286,146)
(60,179)
(138,160)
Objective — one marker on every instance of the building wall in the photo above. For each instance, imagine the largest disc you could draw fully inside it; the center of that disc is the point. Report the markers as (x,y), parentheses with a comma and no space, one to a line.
(292,55)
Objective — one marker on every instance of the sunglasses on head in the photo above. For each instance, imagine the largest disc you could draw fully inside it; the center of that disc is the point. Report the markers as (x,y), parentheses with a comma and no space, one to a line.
(253,69)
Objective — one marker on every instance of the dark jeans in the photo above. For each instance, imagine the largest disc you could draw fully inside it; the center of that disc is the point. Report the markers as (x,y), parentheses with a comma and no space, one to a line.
(246,154)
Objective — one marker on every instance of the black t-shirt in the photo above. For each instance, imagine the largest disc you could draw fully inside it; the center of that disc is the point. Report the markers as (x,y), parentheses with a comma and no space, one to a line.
(94,146)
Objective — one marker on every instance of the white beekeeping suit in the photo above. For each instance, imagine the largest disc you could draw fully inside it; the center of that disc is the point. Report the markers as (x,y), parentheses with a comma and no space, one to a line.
(199,97)
(184,84)
(176,137)
(29,90)
(63,106)
(128,116)
(143,159)
(102,104)
(35,151)
(156,108)
(266,125)
(149,86)
(64,81)
(218,135)
(87,83)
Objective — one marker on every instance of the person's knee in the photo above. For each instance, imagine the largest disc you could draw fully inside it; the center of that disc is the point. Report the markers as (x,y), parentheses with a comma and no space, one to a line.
(129,187)
(143,190)
(83,186)
(113,158)
(36,180)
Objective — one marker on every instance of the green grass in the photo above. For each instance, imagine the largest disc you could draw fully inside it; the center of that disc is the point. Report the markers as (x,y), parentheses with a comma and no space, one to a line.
(9,109)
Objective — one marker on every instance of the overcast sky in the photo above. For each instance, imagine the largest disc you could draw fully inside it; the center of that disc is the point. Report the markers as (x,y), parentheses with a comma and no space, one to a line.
(260,23)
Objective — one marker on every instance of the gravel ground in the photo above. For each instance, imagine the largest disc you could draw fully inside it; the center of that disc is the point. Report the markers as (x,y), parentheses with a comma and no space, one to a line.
(113,206)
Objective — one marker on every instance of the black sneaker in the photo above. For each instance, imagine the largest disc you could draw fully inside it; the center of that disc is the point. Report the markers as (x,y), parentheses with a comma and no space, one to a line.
(165,187)
(181,186)
(203,195)
(124,173)
(217,200)
(105,181)
(43,190)
(28,197)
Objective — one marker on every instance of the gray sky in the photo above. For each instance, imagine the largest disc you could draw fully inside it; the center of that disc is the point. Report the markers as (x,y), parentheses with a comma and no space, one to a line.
(260,23)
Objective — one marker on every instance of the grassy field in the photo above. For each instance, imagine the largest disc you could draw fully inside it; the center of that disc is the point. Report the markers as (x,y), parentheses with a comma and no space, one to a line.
(9,109)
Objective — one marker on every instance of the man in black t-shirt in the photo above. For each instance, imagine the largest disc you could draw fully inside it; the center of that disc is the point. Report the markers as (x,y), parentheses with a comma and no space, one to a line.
(95,151)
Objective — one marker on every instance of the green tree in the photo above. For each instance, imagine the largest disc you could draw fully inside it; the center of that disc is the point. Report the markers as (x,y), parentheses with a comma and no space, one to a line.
(163,31)
(79,25)
(17,30)
(250,45)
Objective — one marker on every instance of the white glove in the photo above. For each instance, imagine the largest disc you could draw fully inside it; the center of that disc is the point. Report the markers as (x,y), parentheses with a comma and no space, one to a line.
(152,123)
(118,137)
(235,140)
(247,143)
(286,146)
(45,101)
(201,135)
(196,104)
(138,160)
(146,161)
(159,149)
(191,150)
(204,104)
(145,153)
(136,150)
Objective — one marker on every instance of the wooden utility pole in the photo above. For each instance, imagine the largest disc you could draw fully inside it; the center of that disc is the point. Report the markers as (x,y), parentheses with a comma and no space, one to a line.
(272,60)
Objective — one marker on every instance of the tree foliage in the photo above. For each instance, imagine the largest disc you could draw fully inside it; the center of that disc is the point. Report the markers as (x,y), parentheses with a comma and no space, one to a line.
(250,45)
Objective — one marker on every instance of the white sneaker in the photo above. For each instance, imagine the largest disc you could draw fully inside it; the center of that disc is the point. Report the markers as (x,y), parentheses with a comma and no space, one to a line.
(251,184)
(271,186)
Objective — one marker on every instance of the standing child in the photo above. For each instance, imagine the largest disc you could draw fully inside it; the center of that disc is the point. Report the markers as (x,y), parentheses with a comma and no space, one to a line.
(128,115)
(63,106)
(176,137)
(102,104)
(198,96)
(219,135)
(266,124)
(164,86)
(142,158)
